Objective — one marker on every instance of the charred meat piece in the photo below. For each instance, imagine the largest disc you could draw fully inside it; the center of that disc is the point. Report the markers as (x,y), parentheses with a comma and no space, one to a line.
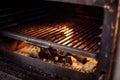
(81,59)
(45,53)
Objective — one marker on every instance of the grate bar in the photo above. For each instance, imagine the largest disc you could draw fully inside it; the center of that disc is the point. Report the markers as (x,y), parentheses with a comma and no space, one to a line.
(85,37)
(72,37)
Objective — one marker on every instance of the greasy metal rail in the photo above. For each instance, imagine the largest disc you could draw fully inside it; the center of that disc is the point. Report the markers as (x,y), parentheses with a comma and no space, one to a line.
(78,35)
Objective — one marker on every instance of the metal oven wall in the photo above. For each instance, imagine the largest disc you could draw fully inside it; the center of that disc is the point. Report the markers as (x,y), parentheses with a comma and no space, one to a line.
(115,72)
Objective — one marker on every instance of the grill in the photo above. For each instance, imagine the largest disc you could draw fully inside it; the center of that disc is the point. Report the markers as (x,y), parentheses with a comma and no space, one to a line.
(70,28)
(73,34)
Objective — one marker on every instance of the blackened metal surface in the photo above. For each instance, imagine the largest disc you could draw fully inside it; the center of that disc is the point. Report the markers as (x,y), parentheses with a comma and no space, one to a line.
(116,58)
(10,71)
(5,76)
(87,2)
(10,17)
(38,70)
(108,41)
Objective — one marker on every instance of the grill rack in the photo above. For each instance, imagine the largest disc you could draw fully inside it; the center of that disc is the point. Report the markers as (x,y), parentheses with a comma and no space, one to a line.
(70,36)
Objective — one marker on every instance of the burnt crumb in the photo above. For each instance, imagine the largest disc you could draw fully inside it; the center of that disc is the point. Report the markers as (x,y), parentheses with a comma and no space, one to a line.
(69,61)
(45,53)
(84,60)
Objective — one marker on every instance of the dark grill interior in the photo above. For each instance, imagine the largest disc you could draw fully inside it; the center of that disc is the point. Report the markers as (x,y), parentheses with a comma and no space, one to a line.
(70,28)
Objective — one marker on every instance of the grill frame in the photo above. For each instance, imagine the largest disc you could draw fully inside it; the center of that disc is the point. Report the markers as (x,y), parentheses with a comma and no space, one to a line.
(109,17)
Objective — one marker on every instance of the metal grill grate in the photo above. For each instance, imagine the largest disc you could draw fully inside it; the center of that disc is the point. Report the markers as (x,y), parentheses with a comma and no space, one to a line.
(82,34)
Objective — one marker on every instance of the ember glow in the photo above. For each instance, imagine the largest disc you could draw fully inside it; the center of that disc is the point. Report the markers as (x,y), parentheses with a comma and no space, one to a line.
(53,56)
